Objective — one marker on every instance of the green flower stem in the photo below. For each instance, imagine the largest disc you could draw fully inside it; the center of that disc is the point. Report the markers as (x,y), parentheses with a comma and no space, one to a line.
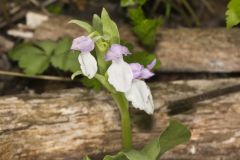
(122,103)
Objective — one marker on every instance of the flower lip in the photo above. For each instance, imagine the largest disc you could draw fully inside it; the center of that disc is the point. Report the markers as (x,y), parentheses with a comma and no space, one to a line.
(83,44)
(139,72)
(116,51)
(136,69)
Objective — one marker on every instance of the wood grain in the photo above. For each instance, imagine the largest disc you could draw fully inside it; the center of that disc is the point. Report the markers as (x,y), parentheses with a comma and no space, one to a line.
(69,124)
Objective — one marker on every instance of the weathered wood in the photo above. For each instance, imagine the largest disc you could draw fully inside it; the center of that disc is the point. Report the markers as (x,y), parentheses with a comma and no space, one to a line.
(68,124)
(180,50)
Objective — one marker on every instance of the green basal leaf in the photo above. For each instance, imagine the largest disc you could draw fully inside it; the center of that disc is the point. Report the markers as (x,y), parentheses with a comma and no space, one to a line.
(115,157)
(91,83)
(130,155)
(75,74)
(82,24)
(136,15)
(34,63)
(47,46)
(146,31)
(143,58)
(97,24)
(109,28)
(233,13)
(17,52)
(67,61)
(176,133)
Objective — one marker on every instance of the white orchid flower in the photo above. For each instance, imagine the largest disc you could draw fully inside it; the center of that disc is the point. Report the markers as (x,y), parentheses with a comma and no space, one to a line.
(88,63)
(119,72)
(139,93)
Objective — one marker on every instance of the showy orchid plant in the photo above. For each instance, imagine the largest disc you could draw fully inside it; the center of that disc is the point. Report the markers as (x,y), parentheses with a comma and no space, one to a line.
(101,56)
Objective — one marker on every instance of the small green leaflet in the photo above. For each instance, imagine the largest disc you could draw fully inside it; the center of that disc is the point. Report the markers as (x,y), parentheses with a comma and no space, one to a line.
(144,28)
(48,46)
(233,13)
(110,28)
(82,24)
(34,58)
(146,31)
(63,58)
(34,64)
(136,15)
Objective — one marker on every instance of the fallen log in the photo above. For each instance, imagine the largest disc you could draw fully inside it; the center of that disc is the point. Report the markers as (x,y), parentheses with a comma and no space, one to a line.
(180,50)
(69,124)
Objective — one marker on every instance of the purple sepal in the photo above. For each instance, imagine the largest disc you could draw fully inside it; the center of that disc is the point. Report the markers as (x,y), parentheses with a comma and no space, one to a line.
(139,72)
(152,64)
(83,44)
(115,52)
(136,69)
(146,73)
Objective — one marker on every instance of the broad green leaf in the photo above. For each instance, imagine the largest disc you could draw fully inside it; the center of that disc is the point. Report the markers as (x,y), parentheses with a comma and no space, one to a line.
(91,83)
(115,157)
(109,28)
(130,155)
(143,58)
(135,155)
(82,24)
(17,52)
(147,30)
(34,63)
(176,133)
(75,74)
(97,24)
(136,15)
(233,13)
(67,61)
(47,46)
(63,46)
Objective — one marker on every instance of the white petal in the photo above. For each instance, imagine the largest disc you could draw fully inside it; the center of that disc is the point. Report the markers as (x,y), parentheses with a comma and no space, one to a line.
(140,96)
(120,75)
(88,64)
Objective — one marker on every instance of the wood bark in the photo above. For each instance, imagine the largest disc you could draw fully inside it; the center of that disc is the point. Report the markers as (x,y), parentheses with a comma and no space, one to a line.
(180,50)
(68,124)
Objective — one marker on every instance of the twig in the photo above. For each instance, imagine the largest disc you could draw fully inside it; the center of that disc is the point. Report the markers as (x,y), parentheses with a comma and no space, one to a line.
(44,77)
(191,11)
